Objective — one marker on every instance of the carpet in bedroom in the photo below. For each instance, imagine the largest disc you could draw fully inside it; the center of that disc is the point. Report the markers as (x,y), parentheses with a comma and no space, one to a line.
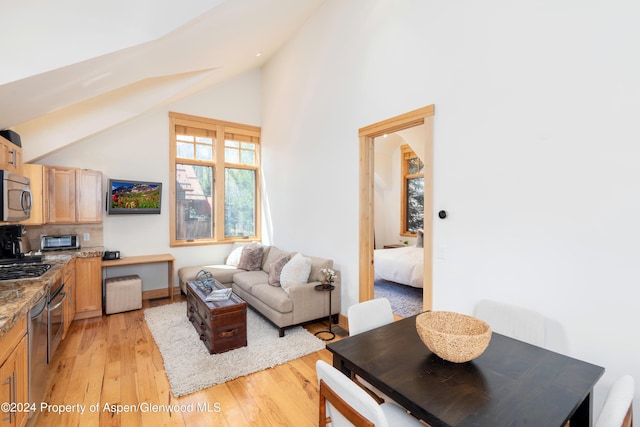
(405,300)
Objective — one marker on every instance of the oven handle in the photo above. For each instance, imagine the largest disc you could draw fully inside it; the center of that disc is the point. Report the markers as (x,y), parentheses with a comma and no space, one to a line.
(64,297)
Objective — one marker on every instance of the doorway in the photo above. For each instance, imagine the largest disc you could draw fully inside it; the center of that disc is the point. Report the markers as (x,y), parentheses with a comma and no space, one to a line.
(367,135)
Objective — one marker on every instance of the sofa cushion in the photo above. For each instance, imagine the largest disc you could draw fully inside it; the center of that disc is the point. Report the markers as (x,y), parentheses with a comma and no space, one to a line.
(251,258)
(276,269)
(273,297)
(222,273)
(272,256)
(246,280)
(316,265)
(295,272)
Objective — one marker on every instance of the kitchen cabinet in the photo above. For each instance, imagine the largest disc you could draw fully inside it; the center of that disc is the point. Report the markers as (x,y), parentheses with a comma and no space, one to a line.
(69,275)
(88,196)
(39,199)
(88,287)
(62,195)
(10,156)
(14,371)
(74,196)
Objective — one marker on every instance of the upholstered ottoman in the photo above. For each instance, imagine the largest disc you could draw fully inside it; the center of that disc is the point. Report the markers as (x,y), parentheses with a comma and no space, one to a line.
(123,294)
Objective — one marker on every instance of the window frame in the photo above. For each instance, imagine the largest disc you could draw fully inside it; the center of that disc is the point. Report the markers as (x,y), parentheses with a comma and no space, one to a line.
(407,153)
(221,129)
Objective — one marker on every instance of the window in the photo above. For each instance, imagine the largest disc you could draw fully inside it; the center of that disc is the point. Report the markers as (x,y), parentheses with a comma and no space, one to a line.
(214,181)
(412,203)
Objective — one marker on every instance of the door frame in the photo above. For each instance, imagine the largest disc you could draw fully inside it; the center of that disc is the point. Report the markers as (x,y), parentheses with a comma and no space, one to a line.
(367,135)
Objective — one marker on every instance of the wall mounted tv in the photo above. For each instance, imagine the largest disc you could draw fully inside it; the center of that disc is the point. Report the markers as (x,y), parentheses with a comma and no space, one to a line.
(133,197)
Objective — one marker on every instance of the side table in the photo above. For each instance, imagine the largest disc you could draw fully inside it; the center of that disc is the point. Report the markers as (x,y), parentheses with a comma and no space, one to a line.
(328,288)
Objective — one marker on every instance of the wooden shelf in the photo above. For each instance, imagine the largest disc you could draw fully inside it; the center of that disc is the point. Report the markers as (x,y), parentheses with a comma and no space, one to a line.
(146,259)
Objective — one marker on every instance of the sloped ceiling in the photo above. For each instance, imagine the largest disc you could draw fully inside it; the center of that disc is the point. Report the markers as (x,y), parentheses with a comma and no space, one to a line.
(73,68)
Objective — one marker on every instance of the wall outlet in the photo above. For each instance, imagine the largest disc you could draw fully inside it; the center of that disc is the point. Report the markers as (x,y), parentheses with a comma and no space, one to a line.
(86,237)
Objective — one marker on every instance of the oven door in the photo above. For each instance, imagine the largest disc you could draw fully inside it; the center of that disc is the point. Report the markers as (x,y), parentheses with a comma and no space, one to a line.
(55,317)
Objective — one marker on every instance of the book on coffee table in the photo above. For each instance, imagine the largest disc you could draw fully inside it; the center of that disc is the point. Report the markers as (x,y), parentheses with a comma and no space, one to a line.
(219,295)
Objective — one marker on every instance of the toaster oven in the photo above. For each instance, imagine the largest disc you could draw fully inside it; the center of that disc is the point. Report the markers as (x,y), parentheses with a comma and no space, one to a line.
(59,243)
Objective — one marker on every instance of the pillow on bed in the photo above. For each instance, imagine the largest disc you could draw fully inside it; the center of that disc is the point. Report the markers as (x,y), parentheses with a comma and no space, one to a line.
(420,240)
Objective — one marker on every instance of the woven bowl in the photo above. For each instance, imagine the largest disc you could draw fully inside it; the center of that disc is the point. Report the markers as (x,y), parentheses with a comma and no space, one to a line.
(452,336)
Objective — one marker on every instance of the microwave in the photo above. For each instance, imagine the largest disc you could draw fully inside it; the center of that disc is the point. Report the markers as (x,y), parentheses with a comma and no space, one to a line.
(59,243)
(15,196)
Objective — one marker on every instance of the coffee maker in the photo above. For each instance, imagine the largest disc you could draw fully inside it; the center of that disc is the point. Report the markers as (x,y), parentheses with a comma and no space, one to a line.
(11,244)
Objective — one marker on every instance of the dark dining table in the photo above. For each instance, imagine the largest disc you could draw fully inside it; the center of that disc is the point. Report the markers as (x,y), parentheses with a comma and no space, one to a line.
(511,384)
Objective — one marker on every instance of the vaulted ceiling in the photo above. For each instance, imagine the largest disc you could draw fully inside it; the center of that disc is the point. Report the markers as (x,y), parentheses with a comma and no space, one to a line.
(73,68)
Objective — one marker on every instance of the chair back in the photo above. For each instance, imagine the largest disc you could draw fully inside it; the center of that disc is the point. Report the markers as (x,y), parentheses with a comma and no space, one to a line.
(369,315)
(618,406)
(513,321)
(343,403)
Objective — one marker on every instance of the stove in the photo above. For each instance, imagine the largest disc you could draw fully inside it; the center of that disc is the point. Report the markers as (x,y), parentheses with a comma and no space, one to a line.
(22,270)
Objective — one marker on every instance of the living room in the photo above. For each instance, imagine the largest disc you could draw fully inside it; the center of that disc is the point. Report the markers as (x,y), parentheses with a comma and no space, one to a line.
(535,153)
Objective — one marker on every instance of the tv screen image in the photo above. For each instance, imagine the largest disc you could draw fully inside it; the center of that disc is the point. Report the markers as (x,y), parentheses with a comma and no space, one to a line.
(134,197)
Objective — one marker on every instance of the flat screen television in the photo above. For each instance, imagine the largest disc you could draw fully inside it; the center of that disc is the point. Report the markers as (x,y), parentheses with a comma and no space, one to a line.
(133,197)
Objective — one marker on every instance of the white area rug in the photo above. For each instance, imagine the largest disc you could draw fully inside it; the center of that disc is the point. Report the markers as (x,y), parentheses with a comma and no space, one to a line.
(189,365)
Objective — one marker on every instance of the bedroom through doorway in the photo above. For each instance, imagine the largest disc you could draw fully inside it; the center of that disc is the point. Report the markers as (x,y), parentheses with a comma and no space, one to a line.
(391,253)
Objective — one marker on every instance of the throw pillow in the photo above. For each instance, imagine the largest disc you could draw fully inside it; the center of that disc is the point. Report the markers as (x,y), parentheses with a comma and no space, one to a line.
(275,270)
(420,240)
(295,272)
(251,258)
(234,257)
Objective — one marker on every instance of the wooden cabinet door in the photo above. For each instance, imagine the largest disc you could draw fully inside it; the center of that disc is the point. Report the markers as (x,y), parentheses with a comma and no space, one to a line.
(62,195)
(88,287)
(10,156)
(88,196)
(14,384)
(69,275)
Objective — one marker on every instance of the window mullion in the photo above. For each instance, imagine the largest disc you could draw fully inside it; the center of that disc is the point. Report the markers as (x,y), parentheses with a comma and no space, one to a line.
(219,184)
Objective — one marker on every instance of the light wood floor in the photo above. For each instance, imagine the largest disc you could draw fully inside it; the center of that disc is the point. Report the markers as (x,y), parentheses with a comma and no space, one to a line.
(113,361)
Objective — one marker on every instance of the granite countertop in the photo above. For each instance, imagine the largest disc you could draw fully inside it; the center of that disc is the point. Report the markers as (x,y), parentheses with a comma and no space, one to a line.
(18,296)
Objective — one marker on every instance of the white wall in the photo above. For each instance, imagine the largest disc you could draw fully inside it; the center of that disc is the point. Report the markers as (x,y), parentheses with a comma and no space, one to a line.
(139,150)
(536,152)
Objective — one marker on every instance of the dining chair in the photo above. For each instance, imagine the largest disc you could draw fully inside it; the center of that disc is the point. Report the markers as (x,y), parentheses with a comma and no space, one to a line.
(618,406)
(343,403)
(368,315)
(363,317)
(513,321)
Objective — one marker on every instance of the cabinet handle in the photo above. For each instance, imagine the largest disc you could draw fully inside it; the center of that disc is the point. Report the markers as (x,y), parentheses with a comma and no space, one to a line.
(10,381)
(13,160)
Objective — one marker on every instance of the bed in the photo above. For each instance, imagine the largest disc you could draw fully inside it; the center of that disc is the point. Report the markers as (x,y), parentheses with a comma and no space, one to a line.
(400,265)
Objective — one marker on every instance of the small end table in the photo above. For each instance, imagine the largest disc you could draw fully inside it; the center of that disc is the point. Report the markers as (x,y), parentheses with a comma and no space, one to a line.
(326,287)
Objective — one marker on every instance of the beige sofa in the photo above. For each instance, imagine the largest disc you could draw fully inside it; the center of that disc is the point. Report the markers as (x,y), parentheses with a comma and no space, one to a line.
(298,304)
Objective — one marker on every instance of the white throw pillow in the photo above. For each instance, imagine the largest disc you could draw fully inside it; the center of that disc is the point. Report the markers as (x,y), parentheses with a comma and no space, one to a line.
(295,272)
(236,252)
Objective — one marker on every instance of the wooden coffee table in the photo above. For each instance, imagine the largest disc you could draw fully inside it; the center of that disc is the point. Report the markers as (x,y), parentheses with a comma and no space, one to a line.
(222,325)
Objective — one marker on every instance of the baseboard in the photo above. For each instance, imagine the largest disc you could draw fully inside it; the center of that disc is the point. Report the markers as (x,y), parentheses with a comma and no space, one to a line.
(343,322)
(87,314)
(159,293)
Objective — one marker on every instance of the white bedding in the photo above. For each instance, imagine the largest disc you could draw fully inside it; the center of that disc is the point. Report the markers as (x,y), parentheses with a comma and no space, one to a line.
(401,265)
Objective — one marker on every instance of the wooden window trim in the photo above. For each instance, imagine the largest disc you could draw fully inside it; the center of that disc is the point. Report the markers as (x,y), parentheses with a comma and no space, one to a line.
(406,154)
(220,128)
